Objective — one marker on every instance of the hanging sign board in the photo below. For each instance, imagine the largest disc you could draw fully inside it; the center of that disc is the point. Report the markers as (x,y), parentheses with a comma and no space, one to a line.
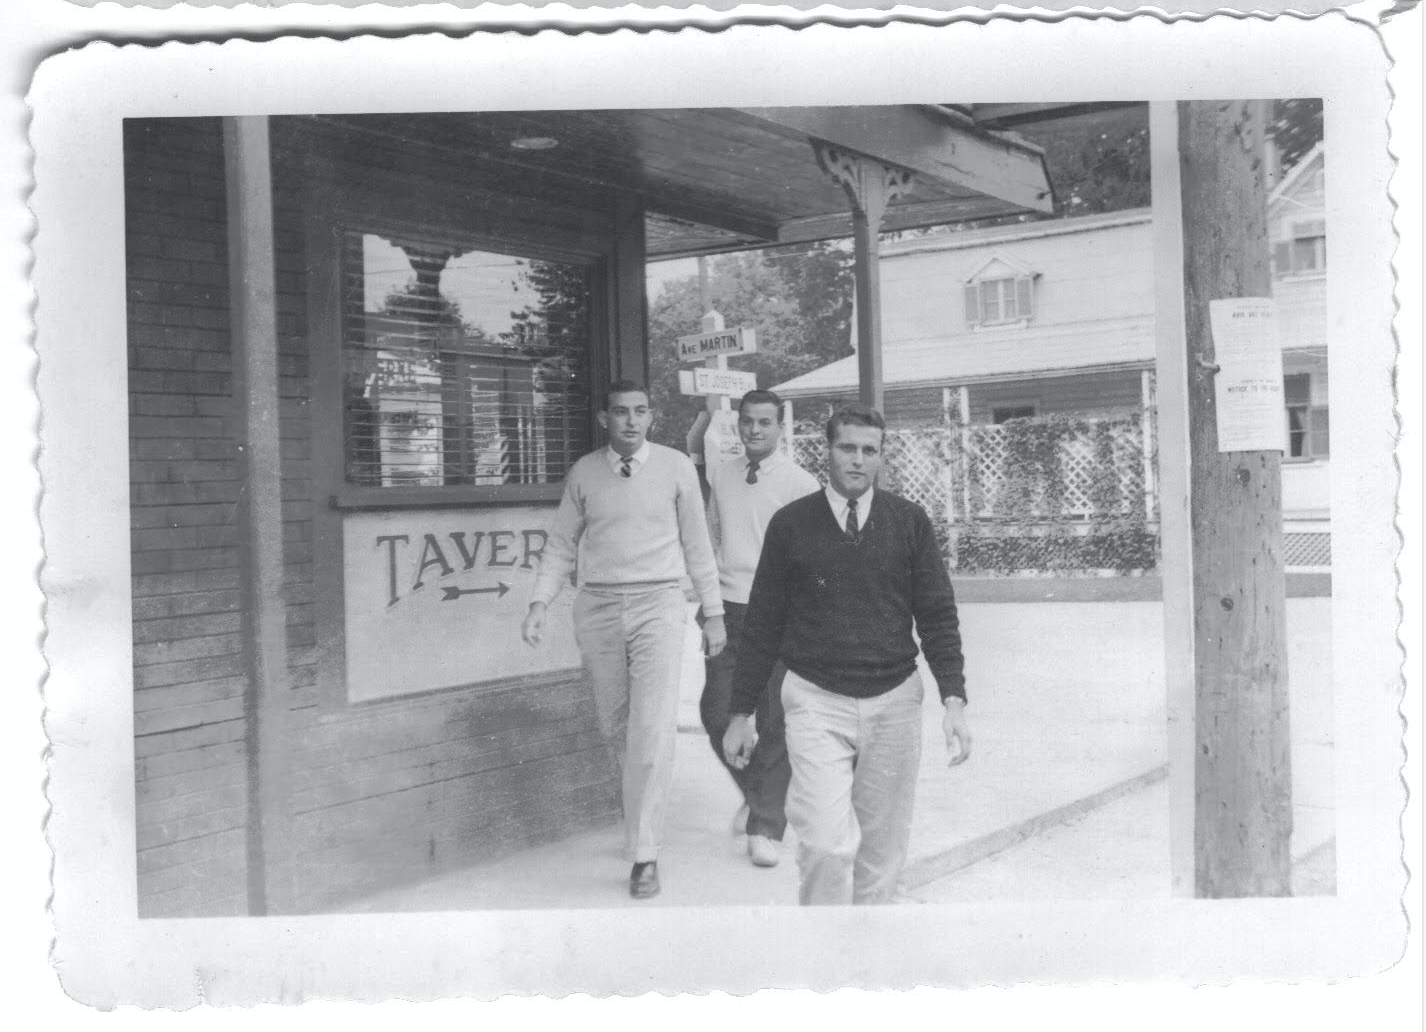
(435,598)
(1248,384)
(694,347)
(731,382)
(721,442)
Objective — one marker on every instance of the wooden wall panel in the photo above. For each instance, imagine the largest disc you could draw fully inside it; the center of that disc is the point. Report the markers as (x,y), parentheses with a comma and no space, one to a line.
(381,792)
(190,767)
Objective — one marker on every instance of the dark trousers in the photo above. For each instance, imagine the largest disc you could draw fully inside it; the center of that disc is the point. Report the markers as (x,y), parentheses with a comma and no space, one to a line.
(763,781)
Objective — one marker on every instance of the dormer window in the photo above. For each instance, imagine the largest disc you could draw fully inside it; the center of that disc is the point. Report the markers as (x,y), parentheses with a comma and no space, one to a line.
(1000,293)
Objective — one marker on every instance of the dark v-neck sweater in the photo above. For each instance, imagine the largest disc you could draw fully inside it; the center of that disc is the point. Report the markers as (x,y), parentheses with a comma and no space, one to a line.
(839,611)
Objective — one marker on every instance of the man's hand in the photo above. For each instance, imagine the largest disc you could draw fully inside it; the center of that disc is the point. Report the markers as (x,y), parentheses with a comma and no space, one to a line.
(534,625)
(715,636)
(738,741)
(956,730)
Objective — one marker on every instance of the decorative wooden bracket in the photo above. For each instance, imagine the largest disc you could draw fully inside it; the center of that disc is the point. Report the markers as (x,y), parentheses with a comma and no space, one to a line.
(870,184)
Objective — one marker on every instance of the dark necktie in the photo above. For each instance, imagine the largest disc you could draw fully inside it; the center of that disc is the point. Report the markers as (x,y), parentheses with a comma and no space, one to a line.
(626,467)
(753,471)
(851,517)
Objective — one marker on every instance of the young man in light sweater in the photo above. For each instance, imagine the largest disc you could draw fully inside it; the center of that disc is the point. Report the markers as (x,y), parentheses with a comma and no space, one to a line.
(744,494)
(632,515)
(847,580)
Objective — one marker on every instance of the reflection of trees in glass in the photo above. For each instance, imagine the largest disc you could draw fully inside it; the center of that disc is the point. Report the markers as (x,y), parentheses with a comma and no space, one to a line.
(554,331)
(435,399)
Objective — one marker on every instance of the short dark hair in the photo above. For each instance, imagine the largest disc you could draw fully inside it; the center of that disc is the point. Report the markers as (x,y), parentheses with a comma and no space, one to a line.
(623,387)
(761,398)
(855,415)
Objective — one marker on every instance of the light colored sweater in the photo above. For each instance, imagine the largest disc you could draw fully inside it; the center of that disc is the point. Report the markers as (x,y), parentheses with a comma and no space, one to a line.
(647,528)
(738,514)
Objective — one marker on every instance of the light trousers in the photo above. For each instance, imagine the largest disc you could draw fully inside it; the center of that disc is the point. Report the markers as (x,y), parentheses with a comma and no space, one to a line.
(854,767)
(631,642)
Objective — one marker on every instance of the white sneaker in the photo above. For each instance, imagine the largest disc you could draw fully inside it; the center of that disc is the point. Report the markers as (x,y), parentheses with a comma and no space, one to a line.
(740,821)
(763,850)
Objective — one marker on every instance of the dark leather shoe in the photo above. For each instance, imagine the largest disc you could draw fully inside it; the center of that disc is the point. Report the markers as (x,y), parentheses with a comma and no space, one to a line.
(644,880)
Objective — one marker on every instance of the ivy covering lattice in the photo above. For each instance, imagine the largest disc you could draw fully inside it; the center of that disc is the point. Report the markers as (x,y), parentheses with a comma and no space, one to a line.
(1056,468)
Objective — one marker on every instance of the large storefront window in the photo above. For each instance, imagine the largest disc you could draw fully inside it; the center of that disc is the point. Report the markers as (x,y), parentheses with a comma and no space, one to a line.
(462,366)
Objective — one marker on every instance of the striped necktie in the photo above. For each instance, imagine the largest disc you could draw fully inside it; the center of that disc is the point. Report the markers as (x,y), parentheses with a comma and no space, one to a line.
(851,517)
(626,466)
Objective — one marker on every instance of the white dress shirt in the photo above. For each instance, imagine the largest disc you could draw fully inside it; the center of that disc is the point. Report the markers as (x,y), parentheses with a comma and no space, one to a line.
(616,461)
(839,506)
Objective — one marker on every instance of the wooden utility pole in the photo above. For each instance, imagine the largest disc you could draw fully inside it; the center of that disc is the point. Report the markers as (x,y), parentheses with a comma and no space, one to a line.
(1231,627)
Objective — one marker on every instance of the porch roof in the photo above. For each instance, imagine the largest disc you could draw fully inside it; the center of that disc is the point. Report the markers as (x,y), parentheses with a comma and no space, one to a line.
(732,178)
(993,355)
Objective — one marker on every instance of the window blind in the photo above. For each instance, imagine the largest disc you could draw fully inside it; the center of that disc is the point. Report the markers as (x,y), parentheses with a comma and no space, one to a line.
(462,366)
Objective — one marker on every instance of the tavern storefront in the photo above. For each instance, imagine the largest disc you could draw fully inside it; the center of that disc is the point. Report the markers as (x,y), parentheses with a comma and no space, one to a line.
(363,351)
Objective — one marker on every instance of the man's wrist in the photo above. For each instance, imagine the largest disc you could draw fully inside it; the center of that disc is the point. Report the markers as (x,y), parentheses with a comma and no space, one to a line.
(959,700)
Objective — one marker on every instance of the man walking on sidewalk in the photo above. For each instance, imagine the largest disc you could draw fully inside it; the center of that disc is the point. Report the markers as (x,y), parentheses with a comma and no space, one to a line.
(845,577)
(744,495)
(633,514)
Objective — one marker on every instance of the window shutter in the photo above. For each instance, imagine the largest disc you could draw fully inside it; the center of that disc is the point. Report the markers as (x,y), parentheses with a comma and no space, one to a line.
(972,295)
(1319,437)
(1282,257)
(1024,288)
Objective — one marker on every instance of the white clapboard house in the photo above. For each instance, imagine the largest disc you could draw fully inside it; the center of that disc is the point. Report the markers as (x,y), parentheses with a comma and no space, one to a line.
(1057,318)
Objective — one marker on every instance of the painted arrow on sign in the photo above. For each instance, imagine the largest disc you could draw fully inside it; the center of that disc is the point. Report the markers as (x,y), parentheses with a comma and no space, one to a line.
(451,594)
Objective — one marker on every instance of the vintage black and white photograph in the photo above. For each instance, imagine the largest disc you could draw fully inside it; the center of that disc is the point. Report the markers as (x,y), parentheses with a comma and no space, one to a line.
(527,501)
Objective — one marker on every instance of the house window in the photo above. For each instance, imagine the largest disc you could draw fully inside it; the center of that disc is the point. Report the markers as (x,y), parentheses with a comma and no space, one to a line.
(1005,413)
(1307,429)
(462,366)
(1305,251)
(994,302)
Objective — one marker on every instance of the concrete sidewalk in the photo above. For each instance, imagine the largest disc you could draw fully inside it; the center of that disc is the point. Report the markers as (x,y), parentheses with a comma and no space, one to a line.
(1067,709)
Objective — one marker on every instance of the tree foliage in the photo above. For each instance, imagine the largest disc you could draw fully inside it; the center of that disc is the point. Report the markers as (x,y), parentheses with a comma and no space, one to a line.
(797,299)
(1296,127)
(555,330)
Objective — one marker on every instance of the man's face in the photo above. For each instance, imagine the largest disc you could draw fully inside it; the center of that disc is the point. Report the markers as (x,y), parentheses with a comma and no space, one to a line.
(854,460)
(627,421)
(759,429)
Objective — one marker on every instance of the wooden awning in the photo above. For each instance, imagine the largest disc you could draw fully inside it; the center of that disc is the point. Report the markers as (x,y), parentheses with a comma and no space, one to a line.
(718,179)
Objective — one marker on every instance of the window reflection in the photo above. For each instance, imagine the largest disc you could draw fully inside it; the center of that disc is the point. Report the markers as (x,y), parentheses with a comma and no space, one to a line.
(462,367)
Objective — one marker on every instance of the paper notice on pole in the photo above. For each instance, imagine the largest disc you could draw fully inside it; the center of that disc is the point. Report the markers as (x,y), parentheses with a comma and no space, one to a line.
(721,443)
(1248,384)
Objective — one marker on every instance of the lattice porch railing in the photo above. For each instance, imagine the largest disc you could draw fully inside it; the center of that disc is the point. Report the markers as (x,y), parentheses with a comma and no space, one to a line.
(1086,469)
(929,465)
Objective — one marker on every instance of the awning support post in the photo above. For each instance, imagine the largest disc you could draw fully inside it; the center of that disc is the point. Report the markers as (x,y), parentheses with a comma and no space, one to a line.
(870,185)
(253,314)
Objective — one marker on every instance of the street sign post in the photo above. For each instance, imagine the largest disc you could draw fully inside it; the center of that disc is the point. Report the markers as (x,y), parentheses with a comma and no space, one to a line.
(695,347)
(731,382)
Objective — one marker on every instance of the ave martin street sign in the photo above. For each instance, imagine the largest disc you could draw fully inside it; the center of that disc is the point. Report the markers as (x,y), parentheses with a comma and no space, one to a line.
(694,347)
(731,382)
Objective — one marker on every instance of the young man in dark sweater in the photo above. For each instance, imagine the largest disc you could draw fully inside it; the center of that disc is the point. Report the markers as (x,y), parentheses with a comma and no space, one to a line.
(844,577)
